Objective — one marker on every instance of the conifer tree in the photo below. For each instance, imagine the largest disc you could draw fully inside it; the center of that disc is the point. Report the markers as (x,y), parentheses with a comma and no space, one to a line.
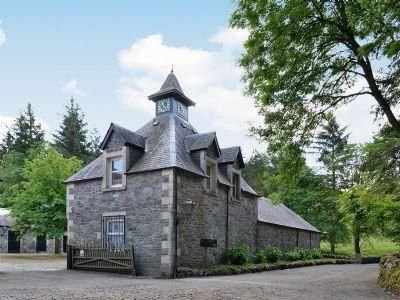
(25,134)
(72,139)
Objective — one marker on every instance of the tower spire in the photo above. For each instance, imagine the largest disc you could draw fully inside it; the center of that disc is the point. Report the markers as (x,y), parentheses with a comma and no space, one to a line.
(172,68)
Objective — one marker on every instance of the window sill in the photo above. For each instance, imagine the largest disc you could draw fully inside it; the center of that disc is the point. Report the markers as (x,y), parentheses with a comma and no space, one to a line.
(111,189)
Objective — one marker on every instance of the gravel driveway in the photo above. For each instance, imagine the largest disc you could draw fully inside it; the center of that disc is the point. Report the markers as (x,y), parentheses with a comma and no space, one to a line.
(319,282)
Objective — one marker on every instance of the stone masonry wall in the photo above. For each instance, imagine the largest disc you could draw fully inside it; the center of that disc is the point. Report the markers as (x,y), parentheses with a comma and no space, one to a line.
(209,221)
(3,239)
(284,238)
(140,201)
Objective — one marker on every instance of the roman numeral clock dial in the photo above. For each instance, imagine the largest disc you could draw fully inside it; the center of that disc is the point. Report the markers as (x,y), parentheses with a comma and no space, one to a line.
(163,106)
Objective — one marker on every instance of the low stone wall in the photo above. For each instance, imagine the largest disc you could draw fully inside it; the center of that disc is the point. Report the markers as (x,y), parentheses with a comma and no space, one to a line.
(234,270)
(389,273)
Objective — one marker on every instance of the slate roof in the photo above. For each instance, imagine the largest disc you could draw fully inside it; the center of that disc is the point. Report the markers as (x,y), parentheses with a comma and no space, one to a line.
(229,155)
(166,146)
(200,141)
(279,214)
(246,187)
(129,137)
(171,88)
(170,83)
(90,171)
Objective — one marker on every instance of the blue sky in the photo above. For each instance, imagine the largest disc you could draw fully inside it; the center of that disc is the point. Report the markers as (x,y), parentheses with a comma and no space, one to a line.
(109,55)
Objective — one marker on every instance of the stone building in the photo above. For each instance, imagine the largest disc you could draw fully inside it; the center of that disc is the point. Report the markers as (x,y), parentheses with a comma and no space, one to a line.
(172,193)
(10,242)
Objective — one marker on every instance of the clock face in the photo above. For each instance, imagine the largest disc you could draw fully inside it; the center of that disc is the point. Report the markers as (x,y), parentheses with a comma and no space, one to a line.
(163,106)
(181,109)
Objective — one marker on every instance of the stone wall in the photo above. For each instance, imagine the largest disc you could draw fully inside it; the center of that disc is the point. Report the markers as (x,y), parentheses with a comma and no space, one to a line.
(140,202)
(3,239)
(230,222)
(284,238)
(389,273)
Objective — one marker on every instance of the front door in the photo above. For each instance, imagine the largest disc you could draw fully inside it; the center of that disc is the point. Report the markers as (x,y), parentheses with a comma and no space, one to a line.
(41,243)
(13,243)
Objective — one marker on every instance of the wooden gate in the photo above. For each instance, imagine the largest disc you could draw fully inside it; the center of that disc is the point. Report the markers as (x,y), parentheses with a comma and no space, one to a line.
(101,259)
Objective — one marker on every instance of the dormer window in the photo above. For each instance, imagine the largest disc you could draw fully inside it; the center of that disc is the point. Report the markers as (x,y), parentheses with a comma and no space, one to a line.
(236,185)
(211,179)
(115,172)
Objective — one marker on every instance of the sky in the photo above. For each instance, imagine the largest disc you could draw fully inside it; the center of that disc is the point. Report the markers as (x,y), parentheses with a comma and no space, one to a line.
(110,55)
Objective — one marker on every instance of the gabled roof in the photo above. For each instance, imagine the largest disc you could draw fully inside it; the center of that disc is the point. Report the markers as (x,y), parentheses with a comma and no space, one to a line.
(202,141)
(229,155)
(171,88)
(279,214)
(129,137)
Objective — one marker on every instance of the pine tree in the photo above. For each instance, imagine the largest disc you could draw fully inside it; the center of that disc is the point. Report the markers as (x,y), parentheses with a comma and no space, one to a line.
(332,143)
(72,139)
(26,133)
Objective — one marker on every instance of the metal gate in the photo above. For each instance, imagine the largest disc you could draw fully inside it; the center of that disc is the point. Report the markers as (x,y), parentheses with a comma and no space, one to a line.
(41,243)
(14,245)
(101,259)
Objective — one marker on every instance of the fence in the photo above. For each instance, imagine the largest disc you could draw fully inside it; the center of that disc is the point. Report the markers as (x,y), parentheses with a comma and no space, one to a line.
(101,259)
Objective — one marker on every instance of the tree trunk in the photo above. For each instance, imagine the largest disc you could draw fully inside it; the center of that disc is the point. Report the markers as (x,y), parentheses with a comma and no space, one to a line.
(332,243)
(357,249)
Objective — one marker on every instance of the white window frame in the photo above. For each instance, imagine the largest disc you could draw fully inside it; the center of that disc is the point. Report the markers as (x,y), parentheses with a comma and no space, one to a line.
(111,172)
(212,177)
(236,185)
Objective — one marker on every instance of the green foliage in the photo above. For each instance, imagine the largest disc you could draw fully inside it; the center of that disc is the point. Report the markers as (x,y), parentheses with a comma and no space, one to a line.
(302,59)
(72,139)
(238,255)
(253,173)
(274,254)
(11,173)
(38,205)
(259,257)
(373,246)
(25,133)
(295,254)
(314,253)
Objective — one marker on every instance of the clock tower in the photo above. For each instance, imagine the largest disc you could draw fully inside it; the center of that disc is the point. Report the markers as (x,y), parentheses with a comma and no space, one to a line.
(170,99)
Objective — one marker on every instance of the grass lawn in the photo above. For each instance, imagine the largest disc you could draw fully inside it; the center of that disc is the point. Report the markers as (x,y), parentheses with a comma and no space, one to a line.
(374,247)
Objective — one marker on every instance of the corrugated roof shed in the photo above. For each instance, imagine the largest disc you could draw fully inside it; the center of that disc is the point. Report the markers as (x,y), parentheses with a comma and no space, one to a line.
(279,214)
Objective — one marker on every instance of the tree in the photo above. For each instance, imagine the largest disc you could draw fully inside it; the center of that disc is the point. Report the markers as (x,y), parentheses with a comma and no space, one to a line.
(254,171)
(25,134)
(357,207)
(39,205)
(72,138)
(303,58)
(11,173)
(332,142)
(381,173)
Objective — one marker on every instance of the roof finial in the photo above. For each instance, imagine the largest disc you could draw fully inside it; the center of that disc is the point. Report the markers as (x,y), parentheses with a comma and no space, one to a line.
(172,68)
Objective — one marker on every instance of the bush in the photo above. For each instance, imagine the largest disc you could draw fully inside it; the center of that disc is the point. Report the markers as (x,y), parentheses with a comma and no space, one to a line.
(238,255)
(273,254)
(314,253)
(260,257)
(296,254)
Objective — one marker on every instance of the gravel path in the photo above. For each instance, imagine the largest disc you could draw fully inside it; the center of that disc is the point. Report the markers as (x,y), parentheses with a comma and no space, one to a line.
(319,282)
(31,262)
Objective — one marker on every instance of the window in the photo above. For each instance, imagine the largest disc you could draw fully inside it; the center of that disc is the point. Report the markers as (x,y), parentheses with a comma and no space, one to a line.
(115,172)
(114,232)
(211,181)
(236,185)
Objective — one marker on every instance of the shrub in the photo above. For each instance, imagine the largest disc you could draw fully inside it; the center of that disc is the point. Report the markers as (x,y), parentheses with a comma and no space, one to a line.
(238,255)
(314,253)
(260,257)
(295,254)
(273,254)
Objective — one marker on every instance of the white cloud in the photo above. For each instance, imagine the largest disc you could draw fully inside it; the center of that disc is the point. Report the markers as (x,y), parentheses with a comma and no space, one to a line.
(71,87)
(7,121)
(2,35)
(210,78)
